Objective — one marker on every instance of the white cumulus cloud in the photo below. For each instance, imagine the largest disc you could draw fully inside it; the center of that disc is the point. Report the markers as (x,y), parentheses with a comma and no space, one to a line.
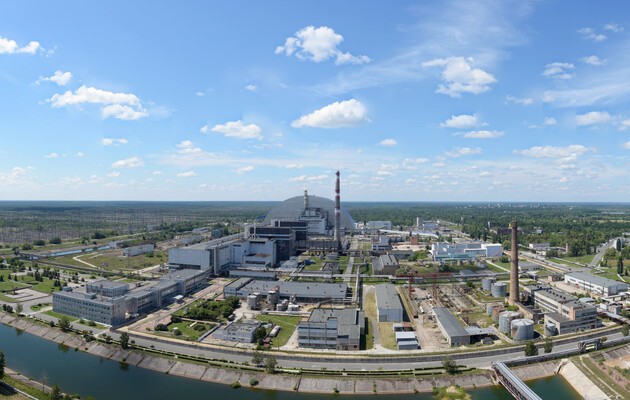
(113,142)
(187,174)
(307,178)
(463,151)
(132,162)
(187,147)
(611,26)
(8,46)
(235,129)
(339,114)
(125,113)
(114,174)
(251,88)
(388,142)
(51,155)
(459,76)
(59,77)
(559,70)
(525,101)
(626,145)
(593,60)
(463,121)
(571,151)
(550,121)
(317,45)
(243,170)
(593,118)
(484,134)
(591,34)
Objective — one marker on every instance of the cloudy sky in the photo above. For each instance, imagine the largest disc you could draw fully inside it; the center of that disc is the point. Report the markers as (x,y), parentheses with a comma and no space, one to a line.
(251,100)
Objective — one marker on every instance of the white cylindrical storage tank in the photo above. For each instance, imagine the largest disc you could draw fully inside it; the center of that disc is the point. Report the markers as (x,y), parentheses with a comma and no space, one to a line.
(506,318)
(522,329)
(272,297)
(252,301)
(486,283)
(550,330)
(498,289)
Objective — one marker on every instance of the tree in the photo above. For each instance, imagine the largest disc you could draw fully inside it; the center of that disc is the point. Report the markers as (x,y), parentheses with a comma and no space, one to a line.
(19,308)
(55,240)
(260,334)
(531,349)
(64,324)
(124,340)
(450,366)
(257,358)
(625,330)
(1,365)
(548,346)
(270,364)
(55,393)
(620,265)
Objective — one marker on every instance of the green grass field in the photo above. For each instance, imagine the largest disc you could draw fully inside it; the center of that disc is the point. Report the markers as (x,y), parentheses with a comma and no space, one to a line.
(188,332)
(58,315)
(288,323)
(113,260)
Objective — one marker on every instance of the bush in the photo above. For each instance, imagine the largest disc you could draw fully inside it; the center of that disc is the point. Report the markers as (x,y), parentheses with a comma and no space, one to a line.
(161,328)
(236,385)
(55,240)
(39,242)
(253,382)
(177,332)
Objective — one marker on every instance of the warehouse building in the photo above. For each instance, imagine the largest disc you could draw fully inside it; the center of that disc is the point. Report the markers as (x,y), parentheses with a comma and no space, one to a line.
(595,284)
(309,292)
(335,329)
(385,265)
(445,251)
(452,329)
(242,331)
(388,303)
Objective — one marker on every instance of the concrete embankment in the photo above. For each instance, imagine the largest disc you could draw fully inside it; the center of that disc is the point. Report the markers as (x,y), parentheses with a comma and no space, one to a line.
(581,383)
(282,381)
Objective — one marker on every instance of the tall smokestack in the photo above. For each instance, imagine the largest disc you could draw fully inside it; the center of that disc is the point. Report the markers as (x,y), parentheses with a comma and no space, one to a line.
(337,214)
(514,298)
(305,200)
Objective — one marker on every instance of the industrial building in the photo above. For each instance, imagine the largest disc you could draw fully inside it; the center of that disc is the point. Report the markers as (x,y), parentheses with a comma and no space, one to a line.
(405,337)
(381,243)
(595,284)
(242,331)
(563,312)
(112,303)
(137,250)
(213,256)
(335,329)
(385,265)
(444,251)
(451,328)
(298,291)
(388,304)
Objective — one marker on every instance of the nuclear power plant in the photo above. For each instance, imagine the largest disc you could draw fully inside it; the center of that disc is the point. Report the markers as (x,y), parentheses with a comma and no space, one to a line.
(514,298)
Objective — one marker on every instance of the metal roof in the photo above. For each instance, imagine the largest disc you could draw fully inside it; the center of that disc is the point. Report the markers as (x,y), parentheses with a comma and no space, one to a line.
(451,325)
(299,289)
(594,279)
(291,209)
(387,297)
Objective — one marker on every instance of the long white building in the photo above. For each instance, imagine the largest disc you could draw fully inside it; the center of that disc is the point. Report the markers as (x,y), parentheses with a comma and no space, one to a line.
(596,284)
(464,251)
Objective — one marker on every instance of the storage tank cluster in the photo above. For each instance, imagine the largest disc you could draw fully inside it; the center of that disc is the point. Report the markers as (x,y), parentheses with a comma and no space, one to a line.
(272,297)
(486,283)
(498,289)
(283,305)
(490,308)
(506,318)
(522,329)
(252,301)
(496,311)
(294,307)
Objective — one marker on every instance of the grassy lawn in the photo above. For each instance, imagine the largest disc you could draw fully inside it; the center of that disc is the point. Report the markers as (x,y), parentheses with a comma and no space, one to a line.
(95,326)
(58,315)
(594,371)
(288,323)
(369,335)
(47,286)
(188,332)
(388,338)
(7,299)
(8,286)
(20,386)
(39,306)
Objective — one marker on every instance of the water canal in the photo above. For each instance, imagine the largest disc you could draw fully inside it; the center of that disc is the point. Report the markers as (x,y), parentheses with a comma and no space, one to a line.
(87,375)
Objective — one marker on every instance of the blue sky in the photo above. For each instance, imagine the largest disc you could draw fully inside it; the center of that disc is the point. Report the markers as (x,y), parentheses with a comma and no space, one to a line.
(251,100)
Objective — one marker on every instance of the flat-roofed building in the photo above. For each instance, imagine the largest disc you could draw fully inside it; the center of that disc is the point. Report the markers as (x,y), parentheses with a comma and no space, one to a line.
(242,331)
(107,288)
(385,265)
(451,328)
(595,284)
(332,328)
(388,304)
(445,251)
(406,340)
(90,306)
(300,291)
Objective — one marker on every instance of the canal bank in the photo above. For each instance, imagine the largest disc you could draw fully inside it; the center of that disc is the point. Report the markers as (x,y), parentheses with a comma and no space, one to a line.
(86,375)
(300,383)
